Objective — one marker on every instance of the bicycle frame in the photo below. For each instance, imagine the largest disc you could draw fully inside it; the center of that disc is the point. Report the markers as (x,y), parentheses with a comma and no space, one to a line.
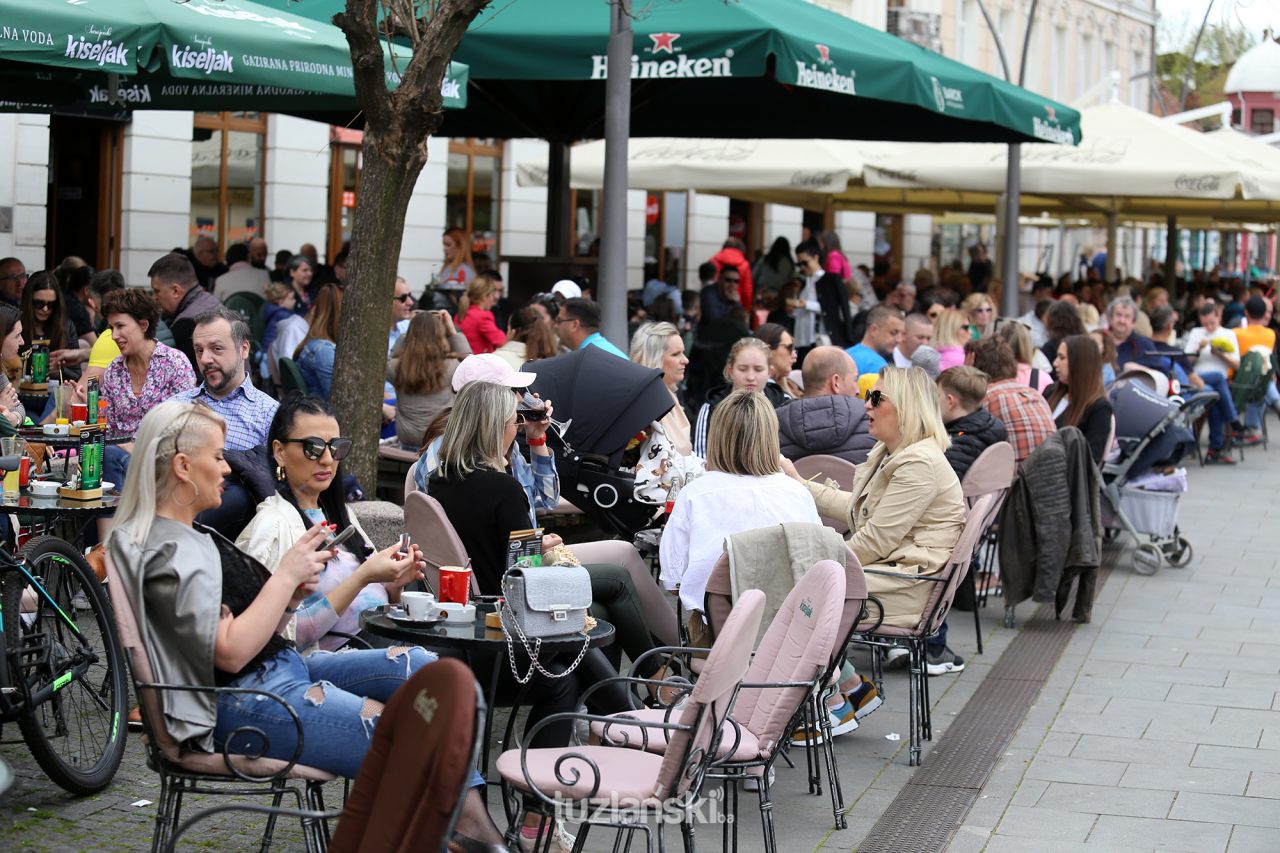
(78,664)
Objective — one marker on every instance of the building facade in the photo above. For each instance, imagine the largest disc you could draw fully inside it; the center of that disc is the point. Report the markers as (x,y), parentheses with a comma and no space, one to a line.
(119,193)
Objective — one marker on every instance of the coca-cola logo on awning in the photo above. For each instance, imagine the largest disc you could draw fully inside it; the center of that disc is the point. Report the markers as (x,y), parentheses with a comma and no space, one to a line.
(1197,183)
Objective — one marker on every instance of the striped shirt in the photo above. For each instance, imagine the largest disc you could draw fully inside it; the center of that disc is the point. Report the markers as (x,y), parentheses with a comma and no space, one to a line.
(247,411)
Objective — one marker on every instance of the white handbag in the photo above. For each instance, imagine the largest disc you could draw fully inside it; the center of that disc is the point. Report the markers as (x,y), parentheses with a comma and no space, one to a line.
(547,601)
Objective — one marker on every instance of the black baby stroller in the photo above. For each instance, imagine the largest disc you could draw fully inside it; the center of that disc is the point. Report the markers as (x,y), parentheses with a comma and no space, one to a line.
(607,401)
(1152,434)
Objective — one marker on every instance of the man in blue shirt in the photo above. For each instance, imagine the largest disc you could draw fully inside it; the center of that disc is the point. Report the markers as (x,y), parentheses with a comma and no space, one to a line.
(884,332)
(220,341)
(579,326)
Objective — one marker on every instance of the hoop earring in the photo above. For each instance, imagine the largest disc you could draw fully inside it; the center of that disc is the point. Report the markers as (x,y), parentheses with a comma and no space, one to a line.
(194,497)
(280,473)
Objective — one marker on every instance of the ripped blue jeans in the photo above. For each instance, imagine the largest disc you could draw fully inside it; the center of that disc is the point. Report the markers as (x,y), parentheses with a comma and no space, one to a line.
(330,691)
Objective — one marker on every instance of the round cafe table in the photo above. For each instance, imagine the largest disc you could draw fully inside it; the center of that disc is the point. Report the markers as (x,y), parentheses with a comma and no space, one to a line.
(481,647)
(73,516)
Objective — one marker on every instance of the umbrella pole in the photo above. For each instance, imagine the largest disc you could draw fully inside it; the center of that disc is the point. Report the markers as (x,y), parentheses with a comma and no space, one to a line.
(1171,256)
(617,129)
(1111,247)
(1009,295)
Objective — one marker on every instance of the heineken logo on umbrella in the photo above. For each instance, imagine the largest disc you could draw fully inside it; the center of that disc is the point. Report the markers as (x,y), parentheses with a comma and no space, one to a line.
(664,42)
(679,66)
(824,54)
(1048,128)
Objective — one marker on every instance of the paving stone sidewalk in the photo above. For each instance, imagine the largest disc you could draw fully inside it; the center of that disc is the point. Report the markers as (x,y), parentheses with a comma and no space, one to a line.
(1159,729)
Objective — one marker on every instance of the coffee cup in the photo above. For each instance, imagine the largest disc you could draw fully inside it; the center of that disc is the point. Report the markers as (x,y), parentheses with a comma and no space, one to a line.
(421,606)
(455,583)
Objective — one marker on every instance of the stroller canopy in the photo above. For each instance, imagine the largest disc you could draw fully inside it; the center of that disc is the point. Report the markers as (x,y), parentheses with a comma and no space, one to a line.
(608,399)
(1150,425)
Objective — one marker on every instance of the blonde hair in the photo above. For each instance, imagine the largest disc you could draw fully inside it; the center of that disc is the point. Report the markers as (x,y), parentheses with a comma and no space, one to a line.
(743,436)
(951,329)
(168,429)
(473,437)
(972,303)
(1018,337)
(649,343)
(1090,317)
(969,384)
(741,346)
(478,288)
(915,396)
(276,292)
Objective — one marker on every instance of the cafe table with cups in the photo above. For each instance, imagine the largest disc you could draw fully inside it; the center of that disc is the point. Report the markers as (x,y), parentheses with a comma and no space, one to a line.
(541,614)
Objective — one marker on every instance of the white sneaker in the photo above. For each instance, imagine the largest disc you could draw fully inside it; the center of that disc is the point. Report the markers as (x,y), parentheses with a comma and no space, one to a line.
(561,841)
(752,783)
(896,657)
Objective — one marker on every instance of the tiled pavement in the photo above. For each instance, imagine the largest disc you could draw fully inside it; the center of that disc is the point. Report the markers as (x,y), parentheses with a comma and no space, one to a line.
(1158,729)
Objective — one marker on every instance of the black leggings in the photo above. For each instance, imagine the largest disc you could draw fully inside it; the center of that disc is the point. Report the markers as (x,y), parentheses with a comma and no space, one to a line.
(614,599)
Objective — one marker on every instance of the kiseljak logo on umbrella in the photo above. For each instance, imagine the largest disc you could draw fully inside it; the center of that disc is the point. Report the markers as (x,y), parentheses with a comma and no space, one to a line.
(98,47)
(203,57)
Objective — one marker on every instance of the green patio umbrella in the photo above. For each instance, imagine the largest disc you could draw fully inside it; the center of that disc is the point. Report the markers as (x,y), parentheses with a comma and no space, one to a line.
(198,54)
(720,69)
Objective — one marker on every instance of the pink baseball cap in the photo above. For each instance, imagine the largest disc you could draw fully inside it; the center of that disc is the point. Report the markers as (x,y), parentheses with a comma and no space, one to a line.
(490,368)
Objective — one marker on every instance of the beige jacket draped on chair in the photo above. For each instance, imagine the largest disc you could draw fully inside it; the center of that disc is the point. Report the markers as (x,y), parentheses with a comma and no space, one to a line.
(905,514)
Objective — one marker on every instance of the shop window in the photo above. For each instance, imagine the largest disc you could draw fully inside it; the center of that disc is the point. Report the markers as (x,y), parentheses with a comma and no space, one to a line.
(1262,121)
(664,233)
(475,167)
(227,176)
(344,186)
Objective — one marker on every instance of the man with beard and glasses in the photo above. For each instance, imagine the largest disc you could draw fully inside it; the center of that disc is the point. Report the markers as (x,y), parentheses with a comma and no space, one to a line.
(220,340)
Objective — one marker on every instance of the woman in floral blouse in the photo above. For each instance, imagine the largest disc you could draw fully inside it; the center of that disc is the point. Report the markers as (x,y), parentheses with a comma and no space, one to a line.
(146,373)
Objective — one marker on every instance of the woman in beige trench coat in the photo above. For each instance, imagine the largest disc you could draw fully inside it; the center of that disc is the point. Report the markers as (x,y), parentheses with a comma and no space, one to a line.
(906,509)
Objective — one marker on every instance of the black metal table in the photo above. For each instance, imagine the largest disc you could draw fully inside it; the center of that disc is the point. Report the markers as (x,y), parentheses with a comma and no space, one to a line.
(75,515)
(480,646)
(35,435)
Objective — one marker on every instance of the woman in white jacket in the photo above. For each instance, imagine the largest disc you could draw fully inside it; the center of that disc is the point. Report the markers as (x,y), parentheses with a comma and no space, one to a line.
(308,448)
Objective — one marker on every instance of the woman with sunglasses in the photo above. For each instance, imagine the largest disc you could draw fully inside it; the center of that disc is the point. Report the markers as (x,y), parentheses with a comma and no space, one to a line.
(950,334)
(421,369)
(44,319)
(308,450)
(906,508)
(981,312)
(782,358)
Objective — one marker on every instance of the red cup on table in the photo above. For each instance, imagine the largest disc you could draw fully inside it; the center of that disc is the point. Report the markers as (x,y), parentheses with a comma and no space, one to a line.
(79,412)
(24,472)
(455,583)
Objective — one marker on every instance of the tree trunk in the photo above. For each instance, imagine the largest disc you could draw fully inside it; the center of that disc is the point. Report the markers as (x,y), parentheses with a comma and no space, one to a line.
(397,126)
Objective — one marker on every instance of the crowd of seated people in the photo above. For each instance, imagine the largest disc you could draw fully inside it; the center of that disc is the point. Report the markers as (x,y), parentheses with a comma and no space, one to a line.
(769,363)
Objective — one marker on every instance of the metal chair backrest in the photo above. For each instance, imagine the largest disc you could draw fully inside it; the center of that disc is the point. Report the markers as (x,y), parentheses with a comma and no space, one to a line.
(149,702)
(798,645)
(991,473)
(957,565)
(426,521)
(690,754)
(291,377)
(822,467)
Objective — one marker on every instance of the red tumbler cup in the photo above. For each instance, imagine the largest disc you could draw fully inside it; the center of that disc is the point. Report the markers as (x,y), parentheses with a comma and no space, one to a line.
(455,583)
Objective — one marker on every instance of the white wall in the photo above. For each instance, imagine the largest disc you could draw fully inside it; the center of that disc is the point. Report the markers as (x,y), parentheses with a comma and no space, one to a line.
(782,220)
(523,209)
(857,230)
(420,251)
(917,233)
(708,227)
(24,180)
(296,195)
(156,197)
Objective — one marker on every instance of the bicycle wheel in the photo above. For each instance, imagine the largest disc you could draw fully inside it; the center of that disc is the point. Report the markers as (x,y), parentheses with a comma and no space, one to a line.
(68,644)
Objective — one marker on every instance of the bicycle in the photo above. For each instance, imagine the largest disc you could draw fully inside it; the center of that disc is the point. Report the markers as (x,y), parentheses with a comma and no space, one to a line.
(63,680)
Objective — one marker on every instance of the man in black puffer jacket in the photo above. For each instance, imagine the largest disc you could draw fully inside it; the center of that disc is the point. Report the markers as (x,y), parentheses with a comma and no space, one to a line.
(829,419)
(971,427)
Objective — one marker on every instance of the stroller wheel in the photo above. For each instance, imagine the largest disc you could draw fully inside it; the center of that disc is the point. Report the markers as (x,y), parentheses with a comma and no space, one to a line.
(1179,552)
(1147,558)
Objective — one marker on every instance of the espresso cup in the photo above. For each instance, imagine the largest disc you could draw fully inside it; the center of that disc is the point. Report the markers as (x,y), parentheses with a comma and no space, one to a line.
(420,605)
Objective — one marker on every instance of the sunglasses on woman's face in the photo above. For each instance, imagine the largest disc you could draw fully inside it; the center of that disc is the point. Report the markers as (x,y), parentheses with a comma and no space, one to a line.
(791,347)
(313,447)
(876,397)
(41,303)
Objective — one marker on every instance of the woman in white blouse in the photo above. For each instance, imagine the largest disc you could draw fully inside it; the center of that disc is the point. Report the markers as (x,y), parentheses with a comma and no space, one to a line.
(744,489)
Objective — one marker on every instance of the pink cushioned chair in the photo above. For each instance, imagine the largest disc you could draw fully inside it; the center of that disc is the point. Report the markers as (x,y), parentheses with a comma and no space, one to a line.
(622,787)
(990,474)
(823,467)
(426,522)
